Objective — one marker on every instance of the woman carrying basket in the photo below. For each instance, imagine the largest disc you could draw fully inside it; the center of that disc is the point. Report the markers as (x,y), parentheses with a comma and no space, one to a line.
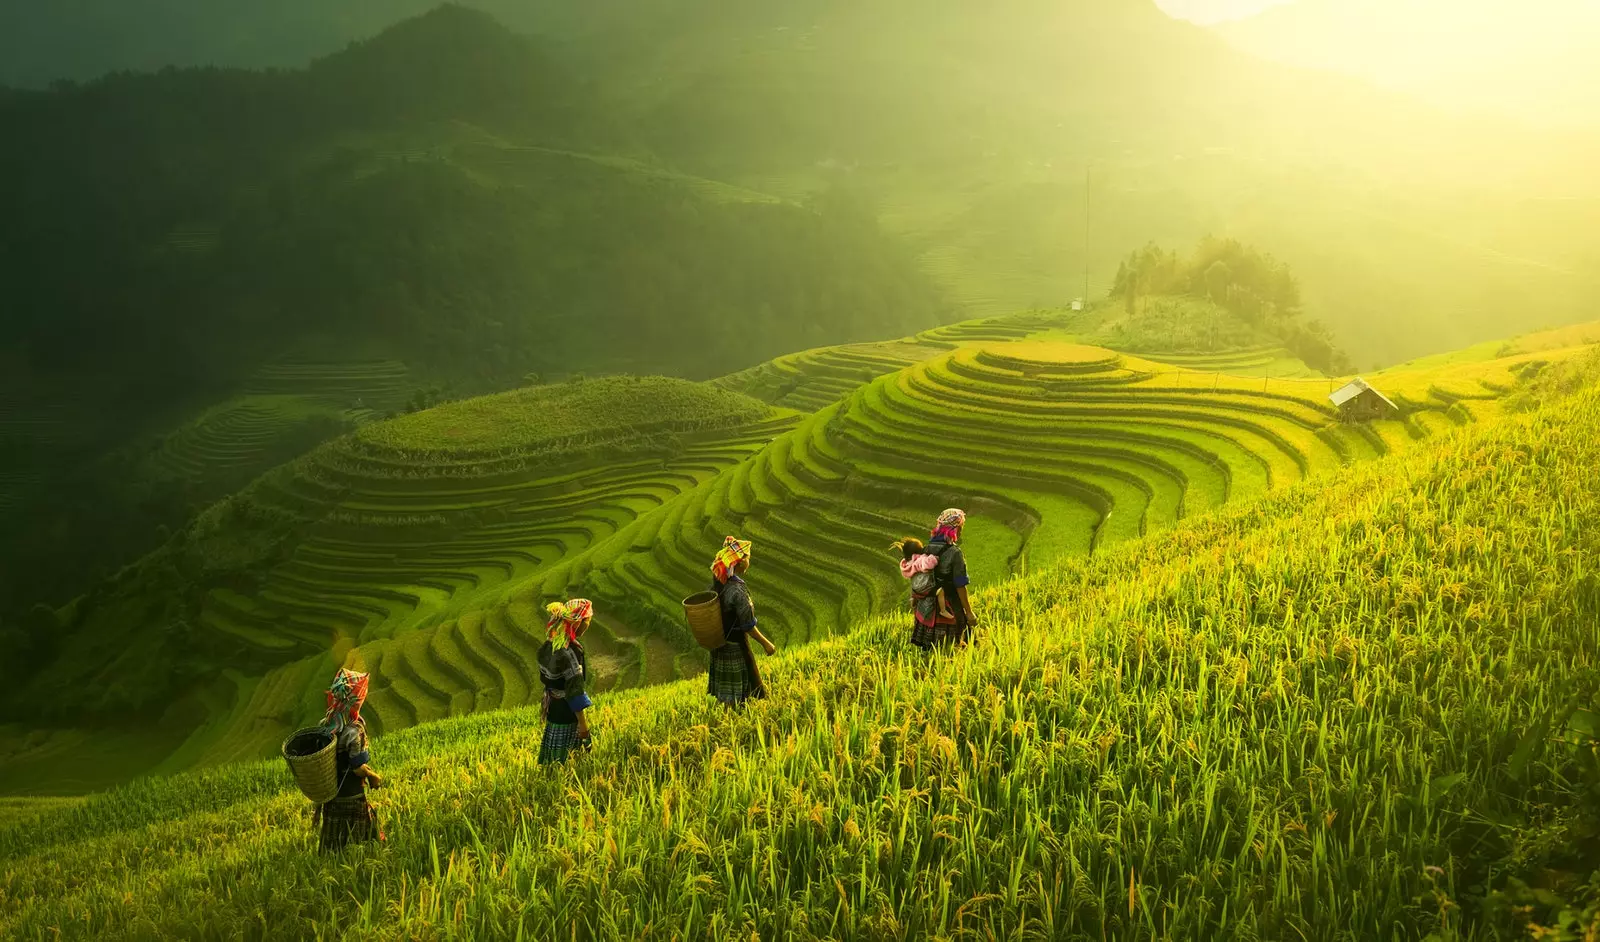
(348,818)
(734,677)
(562,668)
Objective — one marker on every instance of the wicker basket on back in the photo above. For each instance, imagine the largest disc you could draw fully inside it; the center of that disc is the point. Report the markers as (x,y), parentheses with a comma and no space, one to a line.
(704,611)
(310,754)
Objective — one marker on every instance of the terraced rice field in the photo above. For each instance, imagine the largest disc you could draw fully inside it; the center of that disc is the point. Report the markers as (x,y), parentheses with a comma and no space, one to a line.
(396,550)
(1359,710)
(813,379)
(375,385)
(237,435)
(408,551)
(1057,449)
(437,538)
(1249,361)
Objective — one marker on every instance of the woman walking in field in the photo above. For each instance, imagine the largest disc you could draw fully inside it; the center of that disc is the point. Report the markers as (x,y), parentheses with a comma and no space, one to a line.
(348,818)
(927,613)
(943,616)
(734,677)
(563,669)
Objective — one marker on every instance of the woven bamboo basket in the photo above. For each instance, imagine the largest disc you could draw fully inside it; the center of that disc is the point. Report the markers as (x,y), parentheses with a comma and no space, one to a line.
(704,611)
(310,754)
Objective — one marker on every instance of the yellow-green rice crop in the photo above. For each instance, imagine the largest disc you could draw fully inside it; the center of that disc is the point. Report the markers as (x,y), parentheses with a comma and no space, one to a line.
(1354,709)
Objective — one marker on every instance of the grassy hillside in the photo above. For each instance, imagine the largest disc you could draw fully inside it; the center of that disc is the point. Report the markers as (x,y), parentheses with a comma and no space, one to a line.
(398,523)
(423,548)
(1362,707)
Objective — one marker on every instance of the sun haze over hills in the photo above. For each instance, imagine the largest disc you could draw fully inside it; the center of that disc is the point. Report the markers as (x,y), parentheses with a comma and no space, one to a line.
(1216,11)
(356,334)
(607,186)
(1533,60)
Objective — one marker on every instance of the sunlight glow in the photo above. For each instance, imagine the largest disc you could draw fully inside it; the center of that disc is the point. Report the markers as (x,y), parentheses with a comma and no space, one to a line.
(1532,59)
(1216,11)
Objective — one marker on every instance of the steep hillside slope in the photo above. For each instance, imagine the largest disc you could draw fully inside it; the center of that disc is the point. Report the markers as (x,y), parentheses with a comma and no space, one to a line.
(424,548)
(1364,707)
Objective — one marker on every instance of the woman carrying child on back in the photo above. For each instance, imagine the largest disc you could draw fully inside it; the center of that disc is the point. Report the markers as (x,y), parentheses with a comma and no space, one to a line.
(562,670)
(941,610)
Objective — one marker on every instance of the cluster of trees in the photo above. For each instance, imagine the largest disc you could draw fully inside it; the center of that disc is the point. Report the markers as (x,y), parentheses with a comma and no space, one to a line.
(1248,283)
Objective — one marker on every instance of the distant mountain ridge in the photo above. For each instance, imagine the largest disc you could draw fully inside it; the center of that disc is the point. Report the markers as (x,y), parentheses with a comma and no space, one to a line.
(445,195)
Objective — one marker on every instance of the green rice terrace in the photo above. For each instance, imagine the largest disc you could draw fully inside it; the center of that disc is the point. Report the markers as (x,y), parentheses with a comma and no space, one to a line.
(423,548)
(1362,706)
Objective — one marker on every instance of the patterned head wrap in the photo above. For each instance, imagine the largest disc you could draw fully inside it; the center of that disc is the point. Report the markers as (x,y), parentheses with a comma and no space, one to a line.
(345,696)
(565,617)
(733,550)
(948,526)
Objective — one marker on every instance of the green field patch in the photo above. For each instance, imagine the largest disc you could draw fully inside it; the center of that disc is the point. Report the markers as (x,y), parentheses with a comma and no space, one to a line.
(547,417)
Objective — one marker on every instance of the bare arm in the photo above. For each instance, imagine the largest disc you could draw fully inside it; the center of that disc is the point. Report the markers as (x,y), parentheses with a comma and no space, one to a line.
(761,639)
(370,774)
(966,604)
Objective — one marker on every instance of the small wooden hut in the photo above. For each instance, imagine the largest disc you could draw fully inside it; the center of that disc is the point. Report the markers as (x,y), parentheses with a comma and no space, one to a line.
(1358,401)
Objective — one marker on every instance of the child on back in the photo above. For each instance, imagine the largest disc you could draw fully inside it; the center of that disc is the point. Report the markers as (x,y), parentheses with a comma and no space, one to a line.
(918,566)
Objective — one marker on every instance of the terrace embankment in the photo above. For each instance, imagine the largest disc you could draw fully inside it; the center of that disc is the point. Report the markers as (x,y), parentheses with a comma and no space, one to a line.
(1362,707)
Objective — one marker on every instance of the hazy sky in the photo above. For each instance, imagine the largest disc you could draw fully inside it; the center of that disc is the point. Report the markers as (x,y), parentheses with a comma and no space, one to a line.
(1212,11)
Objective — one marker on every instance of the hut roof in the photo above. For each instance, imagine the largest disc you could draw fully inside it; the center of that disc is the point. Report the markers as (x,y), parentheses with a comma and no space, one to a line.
(1355,388)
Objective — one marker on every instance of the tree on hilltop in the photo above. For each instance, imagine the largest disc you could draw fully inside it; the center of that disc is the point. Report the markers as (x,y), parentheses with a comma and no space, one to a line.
(1241,279)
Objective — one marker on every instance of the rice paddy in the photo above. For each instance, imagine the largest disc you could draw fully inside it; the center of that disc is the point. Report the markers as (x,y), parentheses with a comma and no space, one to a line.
(414,529)
(423,548)
(1358,707)
(1063,449)
(248,433)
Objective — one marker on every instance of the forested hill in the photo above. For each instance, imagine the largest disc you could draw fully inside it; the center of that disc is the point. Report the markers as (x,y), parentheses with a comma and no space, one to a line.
(386,196)
(443,203)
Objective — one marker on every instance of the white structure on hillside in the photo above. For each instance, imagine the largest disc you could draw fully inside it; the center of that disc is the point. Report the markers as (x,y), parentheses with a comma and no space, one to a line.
(1358,401)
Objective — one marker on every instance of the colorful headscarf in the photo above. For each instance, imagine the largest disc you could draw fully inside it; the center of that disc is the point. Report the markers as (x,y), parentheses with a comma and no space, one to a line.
(345,696)
(733,550)
(565,617)
(948,526)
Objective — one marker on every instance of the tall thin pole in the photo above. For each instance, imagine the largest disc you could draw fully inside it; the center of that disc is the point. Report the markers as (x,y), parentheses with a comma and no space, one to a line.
(1087,169)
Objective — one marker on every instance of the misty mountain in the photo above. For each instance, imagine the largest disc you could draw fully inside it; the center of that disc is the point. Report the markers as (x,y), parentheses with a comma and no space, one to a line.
(444,195)
(1413,228)
(973,129)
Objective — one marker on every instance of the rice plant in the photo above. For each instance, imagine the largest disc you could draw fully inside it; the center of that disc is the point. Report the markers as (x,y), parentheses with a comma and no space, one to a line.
(1357,708)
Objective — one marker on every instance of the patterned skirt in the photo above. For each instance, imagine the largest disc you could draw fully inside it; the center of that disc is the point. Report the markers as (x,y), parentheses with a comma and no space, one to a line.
(560,741)
(731,679)
(942,633)
(347,821)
